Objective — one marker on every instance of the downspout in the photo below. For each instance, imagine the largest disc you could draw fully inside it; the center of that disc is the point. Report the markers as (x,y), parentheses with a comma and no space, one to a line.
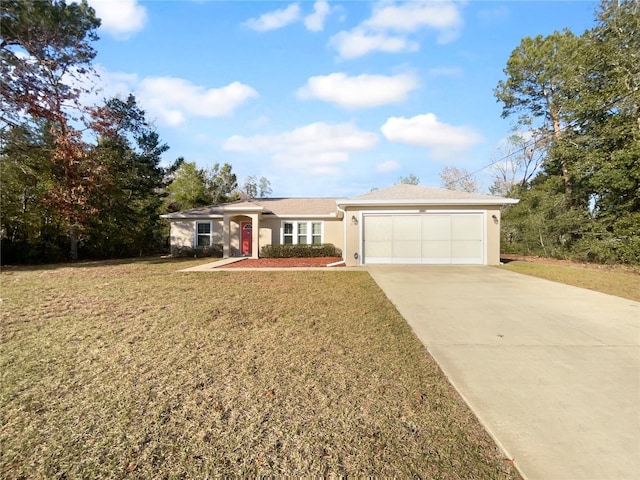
(344,232)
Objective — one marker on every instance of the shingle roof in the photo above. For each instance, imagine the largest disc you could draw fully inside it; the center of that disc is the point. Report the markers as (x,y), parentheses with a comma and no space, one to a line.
(276,206)
(416,192)
(316,207)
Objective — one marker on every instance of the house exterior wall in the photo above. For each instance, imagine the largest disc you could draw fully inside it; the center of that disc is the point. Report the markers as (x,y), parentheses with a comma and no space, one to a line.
(334,233)
(353,230)
(270,230)
(493,236)
(183,232)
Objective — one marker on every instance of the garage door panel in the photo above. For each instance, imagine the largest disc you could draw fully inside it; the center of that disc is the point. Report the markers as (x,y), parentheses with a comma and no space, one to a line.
(469,251)
(466,227)
(406,228)
(436,249)
(407,251)
(436,227)
(430,238)
(378,232)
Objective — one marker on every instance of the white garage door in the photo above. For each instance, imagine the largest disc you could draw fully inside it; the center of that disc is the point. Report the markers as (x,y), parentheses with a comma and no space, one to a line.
(427,238)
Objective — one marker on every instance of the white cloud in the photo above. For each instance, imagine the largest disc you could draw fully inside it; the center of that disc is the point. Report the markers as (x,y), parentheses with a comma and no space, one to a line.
(316,149)
(427,131)
(362,91)
(120,18)
(275,19)
(390,25)
(315,20)
(173,99)
(359,42)
(388,166)
(442,16)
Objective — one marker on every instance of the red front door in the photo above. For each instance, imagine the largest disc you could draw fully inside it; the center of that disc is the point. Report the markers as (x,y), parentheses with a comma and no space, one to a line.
(246,229)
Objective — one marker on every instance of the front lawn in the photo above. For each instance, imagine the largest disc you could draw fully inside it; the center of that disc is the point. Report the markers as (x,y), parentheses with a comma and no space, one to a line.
(131,369)
(622,281)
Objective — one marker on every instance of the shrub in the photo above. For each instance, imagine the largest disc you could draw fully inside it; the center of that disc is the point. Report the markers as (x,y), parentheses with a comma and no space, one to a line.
(300,251)
(198,252)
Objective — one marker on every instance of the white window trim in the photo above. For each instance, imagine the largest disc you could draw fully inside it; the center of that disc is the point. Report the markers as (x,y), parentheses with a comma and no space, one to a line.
(295,231)
(195,232)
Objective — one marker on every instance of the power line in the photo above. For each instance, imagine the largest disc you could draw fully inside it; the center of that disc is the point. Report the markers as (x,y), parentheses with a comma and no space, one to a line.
(545,137)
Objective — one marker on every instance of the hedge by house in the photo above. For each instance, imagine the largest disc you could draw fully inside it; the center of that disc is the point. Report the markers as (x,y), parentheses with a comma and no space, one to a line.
(198,252)
(300,251)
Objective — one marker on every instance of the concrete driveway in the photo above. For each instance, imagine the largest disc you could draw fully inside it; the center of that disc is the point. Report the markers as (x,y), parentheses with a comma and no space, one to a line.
(552,371)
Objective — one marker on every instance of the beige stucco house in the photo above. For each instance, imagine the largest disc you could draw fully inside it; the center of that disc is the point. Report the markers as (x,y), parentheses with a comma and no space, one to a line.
(402,224)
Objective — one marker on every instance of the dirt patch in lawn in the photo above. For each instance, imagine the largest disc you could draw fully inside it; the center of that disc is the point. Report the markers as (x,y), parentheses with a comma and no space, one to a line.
(284,262)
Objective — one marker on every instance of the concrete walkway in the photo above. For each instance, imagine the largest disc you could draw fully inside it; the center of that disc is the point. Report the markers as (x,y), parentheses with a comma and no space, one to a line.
(215,267)
(552,371)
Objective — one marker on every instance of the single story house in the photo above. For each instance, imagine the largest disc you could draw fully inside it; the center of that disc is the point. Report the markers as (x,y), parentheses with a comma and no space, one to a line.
(401,224)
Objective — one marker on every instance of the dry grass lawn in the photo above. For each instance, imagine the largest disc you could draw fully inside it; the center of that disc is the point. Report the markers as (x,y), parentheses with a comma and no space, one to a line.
(620,281)
(132,370)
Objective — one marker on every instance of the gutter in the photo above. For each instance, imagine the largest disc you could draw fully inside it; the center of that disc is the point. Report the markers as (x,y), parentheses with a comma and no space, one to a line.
(344,232)
(453,201)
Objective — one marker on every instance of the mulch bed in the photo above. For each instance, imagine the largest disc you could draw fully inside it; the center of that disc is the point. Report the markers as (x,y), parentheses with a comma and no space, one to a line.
(284,262)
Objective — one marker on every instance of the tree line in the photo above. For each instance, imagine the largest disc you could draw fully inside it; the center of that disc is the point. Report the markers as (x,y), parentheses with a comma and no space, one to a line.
(83,180)
(574,161)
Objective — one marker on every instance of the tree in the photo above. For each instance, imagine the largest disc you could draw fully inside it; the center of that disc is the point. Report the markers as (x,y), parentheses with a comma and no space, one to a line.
(256,188)
(264,187)
(188,189)
(221,184)
(520,158)
(56,39)
(45,50)
(193,187)
(29,230)
(127,221)
(538,86)
(458,179)
(594,144)
(410,179)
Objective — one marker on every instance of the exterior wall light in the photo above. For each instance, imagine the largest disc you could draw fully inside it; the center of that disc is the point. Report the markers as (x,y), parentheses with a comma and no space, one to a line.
(495,218)
(354,220)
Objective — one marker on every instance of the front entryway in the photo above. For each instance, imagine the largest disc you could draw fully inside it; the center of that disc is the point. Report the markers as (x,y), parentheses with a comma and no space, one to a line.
(246,230)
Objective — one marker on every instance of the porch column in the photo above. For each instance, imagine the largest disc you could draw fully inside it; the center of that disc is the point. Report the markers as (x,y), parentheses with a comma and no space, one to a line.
(226,237)
(255,235)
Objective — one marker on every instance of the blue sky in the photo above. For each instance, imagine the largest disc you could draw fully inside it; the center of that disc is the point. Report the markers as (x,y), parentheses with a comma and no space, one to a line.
(324,98)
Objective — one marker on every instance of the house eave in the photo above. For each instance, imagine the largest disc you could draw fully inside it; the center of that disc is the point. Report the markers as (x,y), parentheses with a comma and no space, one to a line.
(305,215)
(201,216)
(453,201)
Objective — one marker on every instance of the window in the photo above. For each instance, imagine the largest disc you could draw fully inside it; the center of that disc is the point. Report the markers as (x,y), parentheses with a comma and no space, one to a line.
(316,233)
(203,234)
(302,233)
(287,234)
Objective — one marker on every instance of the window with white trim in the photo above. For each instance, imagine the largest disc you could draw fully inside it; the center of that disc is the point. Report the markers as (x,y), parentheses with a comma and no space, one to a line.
(302,233)
(287,233)
(203,234)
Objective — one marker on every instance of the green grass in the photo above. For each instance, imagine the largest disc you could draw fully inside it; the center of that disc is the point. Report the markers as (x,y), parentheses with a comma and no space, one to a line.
(613,281)
(131,369)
